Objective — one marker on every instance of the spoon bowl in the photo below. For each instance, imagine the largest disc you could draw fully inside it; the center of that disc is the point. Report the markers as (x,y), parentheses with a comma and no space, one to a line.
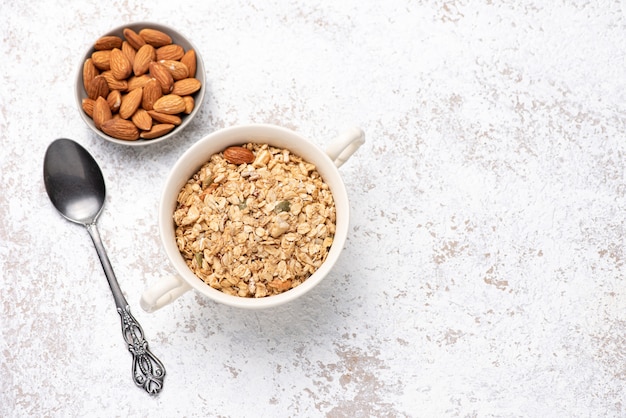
(74,182)
(75,185)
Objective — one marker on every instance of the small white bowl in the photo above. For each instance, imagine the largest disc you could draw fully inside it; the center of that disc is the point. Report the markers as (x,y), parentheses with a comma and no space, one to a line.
(178,39)
(167,289)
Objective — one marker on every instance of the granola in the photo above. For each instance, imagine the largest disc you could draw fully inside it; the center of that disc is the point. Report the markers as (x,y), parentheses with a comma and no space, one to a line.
(255,229)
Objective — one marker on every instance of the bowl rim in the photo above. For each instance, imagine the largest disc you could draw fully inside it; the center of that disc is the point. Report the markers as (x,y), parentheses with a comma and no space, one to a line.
(177,37)
(173,184)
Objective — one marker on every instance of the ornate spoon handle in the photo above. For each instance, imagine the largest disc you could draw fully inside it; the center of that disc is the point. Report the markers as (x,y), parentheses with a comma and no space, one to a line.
(148,371)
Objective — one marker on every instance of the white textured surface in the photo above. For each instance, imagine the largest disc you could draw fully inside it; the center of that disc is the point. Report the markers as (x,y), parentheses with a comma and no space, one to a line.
(484,272)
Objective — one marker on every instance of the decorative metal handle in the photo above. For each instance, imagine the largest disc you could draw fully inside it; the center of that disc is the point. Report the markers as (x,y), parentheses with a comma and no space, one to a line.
(148,371)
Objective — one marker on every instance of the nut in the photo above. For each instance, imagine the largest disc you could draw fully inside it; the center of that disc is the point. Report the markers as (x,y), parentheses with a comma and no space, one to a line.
(238,155)
(102,60)
(136,81)
(129,51)
(98,87)
(114,83)
(186,86)
(170,52)
(101,112)
(107,42)
(178,70)
(120,66)
(190,103)
(89,72)
(170,104)
(88,106)
(157,130)
(189,59)
(163,76)
(121,129)
(151,93)
(165,118)
(133,38)
(114,99)
(130,103)
(145,55)
(155,37)
(142,120)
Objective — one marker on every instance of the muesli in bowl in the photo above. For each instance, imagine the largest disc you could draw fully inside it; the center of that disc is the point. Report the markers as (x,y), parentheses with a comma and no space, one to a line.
(255,221)
(282,199)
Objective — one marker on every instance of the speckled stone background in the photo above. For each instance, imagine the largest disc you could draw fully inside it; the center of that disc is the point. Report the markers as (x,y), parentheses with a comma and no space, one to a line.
(484,271)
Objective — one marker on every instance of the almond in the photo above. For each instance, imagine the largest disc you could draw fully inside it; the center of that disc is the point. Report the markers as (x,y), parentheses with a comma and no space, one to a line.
(189,59)
(88,106)
(157,130)
(145,55)
(89,72)
(114,99)
(102,60)
(151,93)
(142,119)
(165,118)
(98,87)
(129,51)
(190,103)
(170,104)
(108,42)
(170,52)
(114,83)
(134,82)
(120,66)
(101,112)
(133,38)
(186,86)
(176,68)
(155,37)
(163,76)
(130,103)
(238,155)
(121,129)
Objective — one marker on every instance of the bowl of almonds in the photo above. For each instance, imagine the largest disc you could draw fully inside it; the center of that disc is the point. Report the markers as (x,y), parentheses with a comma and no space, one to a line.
(139,84)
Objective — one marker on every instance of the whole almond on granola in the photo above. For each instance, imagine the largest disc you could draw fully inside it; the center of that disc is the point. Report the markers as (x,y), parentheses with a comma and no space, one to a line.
(238,155)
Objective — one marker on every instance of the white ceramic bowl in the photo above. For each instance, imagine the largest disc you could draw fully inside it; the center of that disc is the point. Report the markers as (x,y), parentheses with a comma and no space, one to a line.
(327,162)
(177,38)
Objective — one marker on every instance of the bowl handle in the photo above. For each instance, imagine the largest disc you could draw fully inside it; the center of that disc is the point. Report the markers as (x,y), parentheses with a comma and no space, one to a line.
(344,145)
(162,293)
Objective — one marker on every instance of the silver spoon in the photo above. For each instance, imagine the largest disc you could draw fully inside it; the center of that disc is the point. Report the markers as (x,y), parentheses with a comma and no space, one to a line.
(76,188)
